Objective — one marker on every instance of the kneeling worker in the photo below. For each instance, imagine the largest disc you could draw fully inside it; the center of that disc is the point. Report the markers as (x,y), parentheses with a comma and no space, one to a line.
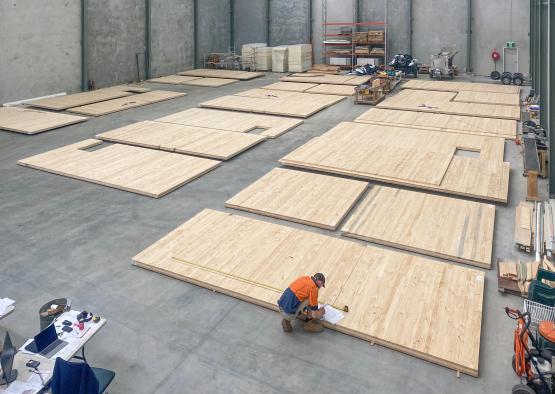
(300,294)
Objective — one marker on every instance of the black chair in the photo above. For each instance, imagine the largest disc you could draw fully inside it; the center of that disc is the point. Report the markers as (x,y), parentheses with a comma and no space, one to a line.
(79,378)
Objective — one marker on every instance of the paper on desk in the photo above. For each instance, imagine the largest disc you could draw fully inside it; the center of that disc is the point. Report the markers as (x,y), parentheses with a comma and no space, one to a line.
(21,387)
(5,303)
(332,315)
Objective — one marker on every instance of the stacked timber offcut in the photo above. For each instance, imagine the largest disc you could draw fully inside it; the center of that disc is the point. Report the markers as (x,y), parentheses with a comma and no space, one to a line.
(300,57)
(263,56)
(248,54)
(280,58)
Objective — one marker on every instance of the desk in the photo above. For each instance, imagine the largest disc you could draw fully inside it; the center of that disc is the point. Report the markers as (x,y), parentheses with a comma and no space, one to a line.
(8,310)
(29,382)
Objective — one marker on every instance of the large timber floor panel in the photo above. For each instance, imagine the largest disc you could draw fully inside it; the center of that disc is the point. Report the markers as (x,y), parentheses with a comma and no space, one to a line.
(274,102)
(272,126)
(412,304)
(456,87)
(123,103)
(173,79)
(78,99)
(143,171)
(418,158)
(326,79)
(438,226)
(227,74)
(198,141)
(211,82)
(303,197)
(441,122)
(32,121)
(442,102)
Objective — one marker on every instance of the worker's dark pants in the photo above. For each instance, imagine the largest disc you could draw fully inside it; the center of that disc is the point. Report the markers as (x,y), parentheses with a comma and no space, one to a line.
(293,316)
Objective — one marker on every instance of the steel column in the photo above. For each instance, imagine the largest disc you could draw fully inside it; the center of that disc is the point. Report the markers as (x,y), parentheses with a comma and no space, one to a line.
(195,33)
(84,47)
(410,26)
(232,25)
(550,93)
(147,39)
(469,37)
(268,22)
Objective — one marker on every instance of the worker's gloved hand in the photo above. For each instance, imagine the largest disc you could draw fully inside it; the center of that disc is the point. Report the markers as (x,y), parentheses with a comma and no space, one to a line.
(322,311)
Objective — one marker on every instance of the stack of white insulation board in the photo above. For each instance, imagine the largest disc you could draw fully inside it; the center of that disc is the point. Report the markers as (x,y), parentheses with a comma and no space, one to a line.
(263,58)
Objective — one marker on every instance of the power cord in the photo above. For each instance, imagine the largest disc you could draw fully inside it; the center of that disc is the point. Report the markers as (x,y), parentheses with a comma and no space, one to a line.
(36,370)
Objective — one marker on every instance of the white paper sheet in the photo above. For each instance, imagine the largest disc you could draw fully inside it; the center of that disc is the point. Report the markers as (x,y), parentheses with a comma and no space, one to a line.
(5,303)
(332,315)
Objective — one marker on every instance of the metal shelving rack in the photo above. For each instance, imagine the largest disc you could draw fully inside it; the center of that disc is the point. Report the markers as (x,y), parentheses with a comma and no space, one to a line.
(347,49)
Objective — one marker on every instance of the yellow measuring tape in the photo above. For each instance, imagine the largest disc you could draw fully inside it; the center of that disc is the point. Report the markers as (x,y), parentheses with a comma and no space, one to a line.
(344,308)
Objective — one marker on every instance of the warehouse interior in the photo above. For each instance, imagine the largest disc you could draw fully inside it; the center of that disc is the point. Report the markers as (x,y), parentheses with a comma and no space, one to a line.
(170,169)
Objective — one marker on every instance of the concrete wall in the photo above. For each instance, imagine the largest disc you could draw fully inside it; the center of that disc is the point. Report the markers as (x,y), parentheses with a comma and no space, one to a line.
(492,24)
(438,23)
(250,22)
(214,27)
(40,49)
(290,22)
(172,36)
(116,31)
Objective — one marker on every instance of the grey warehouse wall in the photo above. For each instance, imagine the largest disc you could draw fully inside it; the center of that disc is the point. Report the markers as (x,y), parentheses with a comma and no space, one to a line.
(172,36)
(250,22)
(40,49)
(116,31)
(214,27)
(290,22)
(492,24)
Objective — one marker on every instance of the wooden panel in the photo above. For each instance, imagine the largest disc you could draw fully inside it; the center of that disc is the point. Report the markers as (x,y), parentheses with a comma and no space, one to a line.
(138,170)
(439,226)
(79,99)
(524,223)
(273,126)
(121,104)
(425,308)
(488,98)
(214,73)
(326,79)
(31,121)
(173,79)
(410,157)
(130,87)
(211,82)
(441,102)
(448,86)
(274,102)
(198,141)
(341,90)
(303,197)
(441,122)
(290,86)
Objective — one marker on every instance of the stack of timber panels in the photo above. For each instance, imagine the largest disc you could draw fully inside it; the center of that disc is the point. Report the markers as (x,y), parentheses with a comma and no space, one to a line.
(300,57)
(248,55)
(280,58)
(263,57)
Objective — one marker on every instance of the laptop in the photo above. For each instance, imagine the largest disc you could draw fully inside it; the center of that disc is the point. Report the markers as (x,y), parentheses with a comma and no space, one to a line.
(46,342)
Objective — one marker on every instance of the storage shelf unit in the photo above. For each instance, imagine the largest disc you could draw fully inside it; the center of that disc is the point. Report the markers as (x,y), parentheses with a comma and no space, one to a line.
(350,33)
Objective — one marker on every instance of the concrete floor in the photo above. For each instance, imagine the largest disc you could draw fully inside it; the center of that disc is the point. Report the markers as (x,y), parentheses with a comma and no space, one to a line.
(61,237)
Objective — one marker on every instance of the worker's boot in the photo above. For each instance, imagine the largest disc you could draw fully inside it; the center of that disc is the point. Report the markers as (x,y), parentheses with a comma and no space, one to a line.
(286,324)
(313,326)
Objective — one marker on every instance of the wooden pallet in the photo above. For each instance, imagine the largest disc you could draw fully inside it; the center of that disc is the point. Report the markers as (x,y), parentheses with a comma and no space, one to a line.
(408,303)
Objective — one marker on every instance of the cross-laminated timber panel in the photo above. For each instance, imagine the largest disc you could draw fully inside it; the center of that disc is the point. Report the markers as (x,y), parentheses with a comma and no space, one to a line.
(447,86)
(227,74)
(412,304)
(32,121)
(274,102)
(442,102)
(419,158)
(143,171)
(441,122)
(303,197)
(430,224)
(273,126)
(198,141)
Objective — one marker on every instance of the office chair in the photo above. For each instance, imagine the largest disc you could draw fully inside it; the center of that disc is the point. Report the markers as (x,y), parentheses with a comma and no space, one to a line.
(79,378)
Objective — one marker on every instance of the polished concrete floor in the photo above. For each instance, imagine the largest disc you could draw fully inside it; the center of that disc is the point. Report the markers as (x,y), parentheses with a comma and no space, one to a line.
(62,237)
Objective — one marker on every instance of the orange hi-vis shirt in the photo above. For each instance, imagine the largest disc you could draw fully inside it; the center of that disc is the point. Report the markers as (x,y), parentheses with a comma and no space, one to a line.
(301,289)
